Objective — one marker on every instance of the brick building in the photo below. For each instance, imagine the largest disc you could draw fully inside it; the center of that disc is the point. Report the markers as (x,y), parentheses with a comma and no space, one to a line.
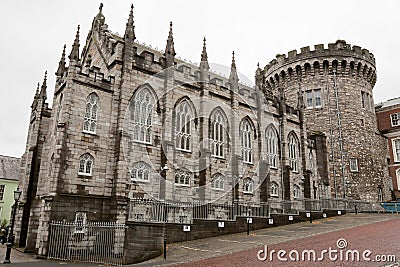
(129,121)
(388,116)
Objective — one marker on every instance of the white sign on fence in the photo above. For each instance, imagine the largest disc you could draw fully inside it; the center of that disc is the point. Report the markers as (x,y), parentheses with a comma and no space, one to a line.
(271,221)
(249,220)
(290,218)
(308,215)
(221,224)
(339,212)
(186,228)
(324,215)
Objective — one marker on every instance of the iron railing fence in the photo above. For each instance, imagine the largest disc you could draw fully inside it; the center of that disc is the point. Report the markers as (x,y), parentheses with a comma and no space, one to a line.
(350,205)
(284,207)
(92,242)
(150,210)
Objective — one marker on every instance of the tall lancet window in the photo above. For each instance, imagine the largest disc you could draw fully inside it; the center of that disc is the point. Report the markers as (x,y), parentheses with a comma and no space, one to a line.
(293,152)
(90,121)
(247,141)
(143,105)
(217,134)
(183,126)
(272,146)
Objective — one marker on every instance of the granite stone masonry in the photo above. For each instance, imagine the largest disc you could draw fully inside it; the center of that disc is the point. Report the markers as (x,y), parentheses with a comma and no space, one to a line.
(132,122)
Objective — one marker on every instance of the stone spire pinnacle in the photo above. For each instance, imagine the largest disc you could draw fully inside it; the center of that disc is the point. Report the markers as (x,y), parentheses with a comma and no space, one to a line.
(101,9)
(61,65)
(233,64)
(258,76)
(75,47)
(204,58)
(169,49)
(36,97)
(233,77)
(37,89)
(43,93)
(130,27)
(99,20)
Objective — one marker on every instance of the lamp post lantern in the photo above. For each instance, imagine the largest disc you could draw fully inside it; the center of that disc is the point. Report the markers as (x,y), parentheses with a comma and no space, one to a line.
(10,239)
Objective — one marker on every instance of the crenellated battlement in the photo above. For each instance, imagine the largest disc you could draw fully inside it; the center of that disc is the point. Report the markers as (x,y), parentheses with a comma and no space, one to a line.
(339,57)
(339,48)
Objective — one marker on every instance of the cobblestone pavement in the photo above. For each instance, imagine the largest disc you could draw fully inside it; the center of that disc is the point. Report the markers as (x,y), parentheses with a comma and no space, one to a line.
(376,232)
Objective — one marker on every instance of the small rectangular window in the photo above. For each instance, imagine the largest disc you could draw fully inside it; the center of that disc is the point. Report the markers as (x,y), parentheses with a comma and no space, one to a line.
(317,95)
(309,99)
(363,99)
(313,98)
(353,165)
(395,119)
(2,188)
(396,150)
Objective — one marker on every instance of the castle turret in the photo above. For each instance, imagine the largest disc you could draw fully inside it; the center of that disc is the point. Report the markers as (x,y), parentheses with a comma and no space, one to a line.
(336,92)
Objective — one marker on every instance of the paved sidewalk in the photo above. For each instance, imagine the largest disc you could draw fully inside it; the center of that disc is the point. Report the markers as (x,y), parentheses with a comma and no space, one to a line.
(237,246)
(16,256)
(226,246)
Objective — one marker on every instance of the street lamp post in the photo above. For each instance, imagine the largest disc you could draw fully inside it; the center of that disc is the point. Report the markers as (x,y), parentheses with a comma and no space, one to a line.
(10,239)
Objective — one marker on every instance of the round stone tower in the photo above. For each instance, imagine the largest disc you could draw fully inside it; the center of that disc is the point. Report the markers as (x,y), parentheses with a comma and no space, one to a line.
(333,88)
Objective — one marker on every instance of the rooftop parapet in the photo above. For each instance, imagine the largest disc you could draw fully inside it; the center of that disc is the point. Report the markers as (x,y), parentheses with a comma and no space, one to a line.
(340,46)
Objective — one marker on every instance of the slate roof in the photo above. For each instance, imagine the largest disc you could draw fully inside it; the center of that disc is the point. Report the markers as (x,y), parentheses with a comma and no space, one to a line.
(9,167)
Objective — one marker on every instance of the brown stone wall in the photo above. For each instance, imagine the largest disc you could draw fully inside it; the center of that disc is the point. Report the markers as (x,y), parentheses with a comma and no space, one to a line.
(352,70)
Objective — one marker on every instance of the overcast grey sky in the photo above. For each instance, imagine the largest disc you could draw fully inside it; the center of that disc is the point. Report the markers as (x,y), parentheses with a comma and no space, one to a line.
(34,32)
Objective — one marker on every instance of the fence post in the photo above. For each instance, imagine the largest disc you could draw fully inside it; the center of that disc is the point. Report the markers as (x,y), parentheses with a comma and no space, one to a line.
(165,248)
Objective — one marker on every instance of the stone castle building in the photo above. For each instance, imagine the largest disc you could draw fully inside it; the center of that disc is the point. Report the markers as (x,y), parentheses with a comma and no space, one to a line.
(337,86)
(129,121)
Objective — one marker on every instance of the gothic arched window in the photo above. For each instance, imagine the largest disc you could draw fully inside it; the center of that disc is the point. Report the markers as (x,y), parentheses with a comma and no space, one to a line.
(247,141)
(90,121)
(217,133)
(296,192)
(272,147)
(311,160)
(59,108)
(140,171)
(217,181)
(183,126)
(182,177)
(86,162)
(143,104)
(274,189)
(247,185)
(293,152)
